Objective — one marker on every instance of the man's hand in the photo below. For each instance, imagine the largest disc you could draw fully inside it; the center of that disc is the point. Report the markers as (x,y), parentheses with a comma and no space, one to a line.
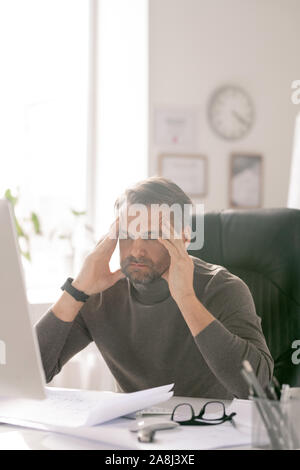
(181,270)
(95,275)
(180,279)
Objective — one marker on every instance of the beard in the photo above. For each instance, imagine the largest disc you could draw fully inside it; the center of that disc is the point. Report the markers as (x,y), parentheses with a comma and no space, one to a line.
(142,275)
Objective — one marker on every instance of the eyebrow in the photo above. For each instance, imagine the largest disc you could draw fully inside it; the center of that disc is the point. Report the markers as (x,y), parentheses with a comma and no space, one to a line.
(124,232)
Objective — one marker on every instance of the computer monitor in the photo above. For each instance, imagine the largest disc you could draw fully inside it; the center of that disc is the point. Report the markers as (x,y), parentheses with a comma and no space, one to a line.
(21,371)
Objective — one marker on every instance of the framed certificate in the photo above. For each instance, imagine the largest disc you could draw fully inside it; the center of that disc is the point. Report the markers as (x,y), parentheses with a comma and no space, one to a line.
(245,185)
(189,172)
(175,129)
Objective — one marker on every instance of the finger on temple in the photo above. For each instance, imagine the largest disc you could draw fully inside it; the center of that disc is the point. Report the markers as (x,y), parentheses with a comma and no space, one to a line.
(172,249)
(171,230)
(112,234)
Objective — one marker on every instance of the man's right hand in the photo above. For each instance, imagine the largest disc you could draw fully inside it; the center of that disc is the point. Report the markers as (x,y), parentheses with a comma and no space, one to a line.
(95,275)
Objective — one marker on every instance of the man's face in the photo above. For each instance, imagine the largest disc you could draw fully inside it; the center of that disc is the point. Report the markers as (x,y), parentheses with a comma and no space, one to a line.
(142,257)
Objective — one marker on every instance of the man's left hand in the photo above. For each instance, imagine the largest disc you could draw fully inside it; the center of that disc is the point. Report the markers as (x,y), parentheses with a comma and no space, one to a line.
(181,270)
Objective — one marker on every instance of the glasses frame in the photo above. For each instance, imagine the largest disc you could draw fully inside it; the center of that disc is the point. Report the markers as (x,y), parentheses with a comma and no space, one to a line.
(195,420)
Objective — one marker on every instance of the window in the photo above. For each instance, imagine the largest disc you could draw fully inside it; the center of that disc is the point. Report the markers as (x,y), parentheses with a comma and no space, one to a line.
(74,121)
(43,117)
(123,104)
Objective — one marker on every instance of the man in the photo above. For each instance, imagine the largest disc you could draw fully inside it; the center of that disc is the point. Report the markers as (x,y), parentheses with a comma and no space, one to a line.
(165,316)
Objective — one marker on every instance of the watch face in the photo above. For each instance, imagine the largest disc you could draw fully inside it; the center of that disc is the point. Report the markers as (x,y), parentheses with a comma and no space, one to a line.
(231,112)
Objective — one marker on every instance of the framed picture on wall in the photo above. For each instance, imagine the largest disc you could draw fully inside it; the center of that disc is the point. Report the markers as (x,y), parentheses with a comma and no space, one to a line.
(189,172)
(245,184)
(175,129)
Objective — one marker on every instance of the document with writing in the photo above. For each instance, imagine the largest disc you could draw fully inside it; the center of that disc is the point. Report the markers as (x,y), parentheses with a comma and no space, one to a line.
(115,432)
(75,408)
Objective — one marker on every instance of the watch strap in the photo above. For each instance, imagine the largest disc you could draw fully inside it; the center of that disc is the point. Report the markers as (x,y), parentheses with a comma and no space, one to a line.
(76,293)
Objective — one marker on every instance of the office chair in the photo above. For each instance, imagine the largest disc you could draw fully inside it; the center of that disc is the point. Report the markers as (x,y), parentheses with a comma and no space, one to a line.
(262,247)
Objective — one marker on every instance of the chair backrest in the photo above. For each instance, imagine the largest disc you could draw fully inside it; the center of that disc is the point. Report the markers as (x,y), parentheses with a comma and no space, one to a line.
(262,247)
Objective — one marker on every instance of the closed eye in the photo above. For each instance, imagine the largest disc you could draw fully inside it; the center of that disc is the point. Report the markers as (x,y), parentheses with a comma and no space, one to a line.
(145,236)
(125,235)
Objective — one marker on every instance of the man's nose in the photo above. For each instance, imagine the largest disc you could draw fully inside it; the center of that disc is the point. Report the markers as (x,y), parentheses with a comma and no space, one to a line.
(138,248)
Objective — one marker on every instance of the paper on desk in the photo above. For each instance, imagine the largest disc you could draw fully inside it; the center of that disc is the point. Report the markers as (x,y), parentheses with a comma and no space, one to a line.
(109,406)
(114,407)
(116,433)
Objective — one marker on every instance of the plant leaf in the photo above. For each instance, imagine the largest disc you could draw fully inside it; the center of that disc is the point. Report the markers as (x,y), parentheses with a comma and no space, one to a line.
(36,223)
(10,197)
(26,255)
(20,231)
(78,213)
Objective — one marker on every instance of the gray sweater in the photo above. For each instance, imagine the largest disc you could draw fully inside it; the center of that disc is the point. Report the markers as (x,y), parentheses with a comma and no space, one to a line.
(146,342)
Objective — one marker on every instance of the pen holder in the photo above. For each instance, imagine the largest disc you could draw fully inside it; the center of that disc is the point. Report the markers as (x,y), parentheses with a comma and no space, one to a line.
(275,424)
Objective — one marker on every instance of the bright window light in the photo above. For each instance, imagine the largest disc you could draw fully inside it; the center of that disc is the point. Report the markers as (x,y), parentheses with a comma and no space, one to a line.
(123,103)
(43,114)
(62,126)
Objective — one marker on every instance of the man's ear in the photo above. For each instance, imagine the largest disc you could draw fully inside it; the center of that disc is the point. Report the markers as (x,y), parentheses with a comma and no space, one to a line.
(187,232)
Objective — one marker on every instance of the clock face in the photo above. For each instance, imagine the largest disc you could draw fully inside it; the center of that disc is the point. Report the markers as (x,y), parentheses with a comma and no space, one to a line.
(231,112)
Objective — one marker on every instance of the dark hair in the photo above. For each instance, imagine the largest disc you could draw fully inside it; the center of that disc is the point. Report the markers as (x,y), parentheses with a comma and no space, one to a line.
(154,190)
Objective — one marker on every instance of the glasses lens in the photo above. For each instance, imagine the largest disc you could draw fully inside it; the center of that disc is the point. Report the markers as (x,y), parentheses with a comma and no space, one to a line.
(183,413)
(213,411)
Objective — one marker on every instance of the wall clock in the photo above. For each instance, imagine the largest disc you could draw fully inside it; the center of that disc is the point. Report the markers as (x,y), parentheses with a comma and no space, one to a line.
(231,112)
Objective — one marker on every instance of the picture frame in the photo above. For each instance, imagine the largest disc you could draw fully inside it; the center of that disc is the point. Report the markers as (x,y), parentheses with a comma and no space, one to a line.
(175,129)
(188,171)
(246,181)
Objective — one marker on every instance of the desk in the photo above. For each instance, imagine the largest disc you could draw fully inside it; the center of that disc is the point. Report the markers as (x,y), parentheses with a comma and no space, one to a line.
(15,438)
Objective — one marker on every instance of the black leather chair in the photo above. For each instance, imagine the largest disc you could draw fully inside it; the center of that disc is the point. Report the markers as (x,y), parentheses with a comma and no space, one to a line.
(262,247)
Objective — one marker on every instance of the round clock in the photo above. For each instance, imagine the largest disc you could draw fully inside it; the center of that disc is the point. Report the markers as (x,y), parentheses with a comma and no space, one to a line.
(230,112)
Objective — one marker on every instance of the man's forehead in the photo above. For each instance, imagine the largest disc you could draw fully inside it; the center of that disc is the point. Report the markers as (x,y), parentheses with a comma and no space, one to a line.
(152,214)
(144,221)
(147,221)
(130,214)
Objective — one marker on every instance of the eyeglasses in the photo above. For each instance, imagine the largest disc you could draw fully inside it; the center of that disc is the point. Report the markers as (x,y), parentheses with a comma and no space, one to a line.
(213,412)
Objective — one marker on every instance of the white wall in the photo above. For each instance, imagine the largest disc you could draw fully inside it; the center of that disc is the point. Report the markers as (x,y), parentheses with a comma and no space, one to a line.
(122,118)
(198,45)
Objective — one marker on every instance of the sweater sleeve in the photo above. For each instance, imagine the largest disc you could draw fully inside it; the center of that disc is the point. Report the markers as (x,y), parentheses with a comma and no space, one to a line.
(235,335)
(59,341)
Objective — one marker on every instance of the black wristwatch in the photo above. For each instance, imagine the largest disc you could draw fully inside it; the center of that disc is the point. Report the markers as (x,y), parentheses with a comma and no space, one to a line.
(77,294)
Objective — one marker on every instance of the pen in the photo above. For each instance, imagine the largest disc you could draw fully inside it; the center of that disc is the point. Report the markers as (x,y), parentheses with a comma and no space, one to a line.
(285,391)
(270,392)
(257,388)
(281,434)
(276,386)
(265,412)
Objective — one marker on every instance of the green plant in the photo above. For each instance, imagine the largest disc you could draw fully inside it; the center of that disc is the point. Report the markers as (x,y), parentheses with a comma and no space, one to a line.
(22,233)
